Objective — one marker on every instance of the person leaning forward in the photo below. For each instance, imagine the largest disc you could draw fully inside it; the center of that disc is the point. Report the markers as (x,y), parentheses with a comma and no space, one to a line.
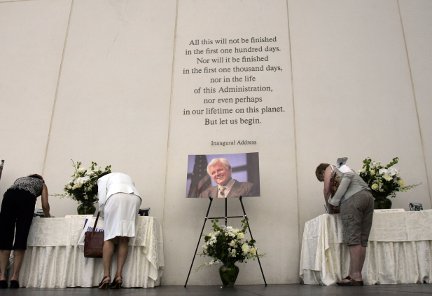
(356,204)
(119,202)
(16,216)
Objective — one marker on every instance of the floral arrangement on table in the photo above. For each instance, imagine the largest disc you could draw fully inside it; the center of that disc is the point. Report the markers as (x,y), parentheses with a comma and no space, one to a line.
(228,245)
(83,185)
(383,180)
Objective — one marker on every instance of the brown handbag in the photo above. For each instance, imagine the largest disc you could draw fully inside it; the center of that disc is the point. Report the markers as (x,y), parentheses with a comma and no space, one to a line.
(93,242)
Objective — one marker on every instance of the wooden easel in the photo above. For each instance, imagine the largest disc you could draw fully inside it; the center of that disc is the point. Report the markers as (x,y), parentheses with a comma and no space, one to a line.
(226,221)
(1,167)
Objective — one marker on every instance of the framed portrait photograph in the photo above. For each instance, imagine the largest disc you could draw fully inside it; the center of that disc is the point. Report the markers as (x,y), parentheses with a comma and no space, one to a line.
(223,175)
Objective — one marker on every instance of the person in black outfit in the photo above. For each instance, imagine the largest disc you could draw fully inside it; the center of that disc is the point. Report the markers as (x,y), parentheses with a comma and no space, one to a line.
(16,217)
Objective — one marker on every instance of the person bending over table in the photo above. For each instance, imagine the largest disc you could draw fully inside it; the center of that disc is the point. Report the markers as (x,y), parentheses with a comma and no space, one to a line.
(356,204)
(16,217)
(119,203)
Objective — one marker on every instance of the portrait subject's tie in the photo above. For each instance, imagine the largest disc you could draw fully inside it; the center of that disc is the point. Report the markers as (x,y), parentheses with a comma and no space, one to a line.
(222,191)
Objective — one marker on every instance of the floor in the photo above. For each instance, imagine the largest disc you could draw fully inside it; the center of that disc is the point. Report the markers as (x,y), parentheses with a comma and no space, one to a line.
(254,290)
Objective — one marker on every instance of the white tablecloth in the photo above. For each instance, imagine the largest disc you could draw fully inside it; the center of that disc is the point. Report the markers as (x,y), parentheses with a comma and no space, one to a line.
(54,257)
(399,249)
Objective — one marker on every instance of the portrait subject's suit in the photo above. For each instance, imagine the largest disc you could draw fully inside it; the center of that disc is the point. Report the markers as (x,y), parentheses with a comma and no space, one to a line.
(237,190)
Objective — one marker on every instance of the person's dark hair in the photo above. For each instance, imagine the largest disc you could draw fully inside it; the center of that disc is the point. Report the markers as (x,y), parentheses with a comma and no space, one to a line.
(37,176)
(319,172)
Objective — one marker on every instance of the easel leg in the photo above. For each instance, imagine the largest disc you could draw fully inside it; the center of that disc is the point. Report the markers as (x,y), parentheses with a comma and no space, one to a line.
(199,239)
(250,232)
(226,211)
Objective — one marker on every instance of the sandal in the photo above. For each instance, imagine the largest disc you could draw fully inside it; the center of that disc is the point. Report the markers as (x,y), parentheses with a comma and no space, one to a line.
(105,282)
(117,283)
(349,281)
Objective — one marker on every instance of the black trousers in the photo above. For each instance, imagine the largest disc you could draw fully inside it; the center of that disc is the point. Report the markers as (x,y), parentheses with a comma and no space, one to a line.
(16,216)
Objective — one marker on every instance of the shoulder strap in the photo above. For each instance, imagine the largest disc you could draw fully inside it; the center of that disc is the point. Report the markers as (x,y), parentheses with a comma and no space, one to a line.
(97,218)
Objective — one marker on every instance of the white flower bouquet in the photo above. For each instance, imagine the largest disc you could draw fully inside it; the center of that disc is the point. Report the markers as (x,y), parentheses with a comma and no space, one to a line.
(382,179)
(228,245)
(83,184)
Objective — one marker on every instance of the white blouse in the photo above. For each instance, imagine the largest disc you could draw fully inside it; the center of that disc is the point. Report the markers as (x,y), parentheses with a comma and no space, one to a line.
(115,183)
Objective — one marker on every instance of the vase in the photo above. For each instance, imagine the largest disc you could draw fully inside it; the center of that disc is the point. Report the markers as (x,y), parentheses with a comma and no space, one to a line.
(86,208)
(228,274)
(381,201)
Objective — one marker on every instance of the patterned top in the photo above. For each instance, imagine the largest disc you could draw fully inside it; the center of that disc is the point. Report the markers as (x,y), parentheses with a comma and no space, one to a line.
(30,184)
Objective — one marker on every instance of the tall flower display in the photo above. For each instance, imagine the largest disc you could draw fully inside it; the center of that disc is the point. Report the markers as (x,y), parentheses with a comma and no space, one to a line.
(82,186)
(382,179)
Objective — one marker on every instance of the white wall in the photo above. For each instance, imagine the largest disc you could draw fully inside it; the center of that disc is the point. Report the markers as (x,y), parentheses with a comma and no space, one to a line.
(102,80)
(189,135)
(353,91)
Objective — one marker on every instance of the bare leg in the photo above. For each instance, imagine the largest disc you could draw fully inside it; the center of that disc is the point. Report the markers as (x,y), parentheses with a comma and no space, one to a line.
(4,261)
(108,251)
(18,260)
(121,255)
(357,258)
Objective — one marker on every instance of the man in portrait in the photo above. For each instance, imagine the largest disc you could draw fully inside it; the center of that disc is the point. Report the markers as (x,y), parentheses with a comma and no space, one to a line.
(219,170)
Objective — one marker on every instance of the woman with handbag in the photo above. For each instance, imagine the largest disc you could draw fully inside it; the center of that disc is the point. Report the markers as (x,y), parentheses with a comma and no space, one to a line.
(119,202)
(16,217)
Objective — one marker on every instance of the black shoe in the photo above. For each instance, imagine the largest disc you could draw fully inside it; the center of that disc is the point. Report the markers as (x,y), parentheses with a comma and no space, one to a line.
(348,281)
(14,285)
(3,284)
(105,282)
(117,283)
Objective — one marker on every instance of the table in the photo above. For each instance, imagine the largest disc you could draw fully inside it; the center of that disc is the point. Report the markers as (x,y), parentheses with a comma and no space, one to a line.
(54,256)
(399,249)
